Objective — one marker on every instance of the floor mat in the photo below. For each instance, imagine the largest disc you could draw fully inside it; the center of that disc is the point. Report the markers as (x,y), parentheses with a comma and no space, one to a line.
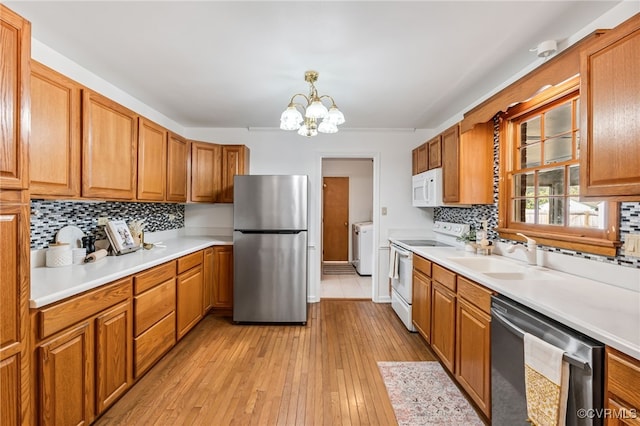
(422,394)
(338,269)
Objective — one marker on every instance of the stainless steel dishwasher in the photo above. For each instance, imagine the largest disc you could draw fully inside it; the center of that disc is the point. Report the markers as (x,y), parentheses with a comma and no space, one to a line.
(509,321)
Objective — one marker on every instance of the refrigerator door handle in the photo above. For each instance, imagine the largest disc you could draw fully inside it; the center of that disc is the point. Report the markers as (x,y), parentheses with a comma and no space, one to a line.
(292,231)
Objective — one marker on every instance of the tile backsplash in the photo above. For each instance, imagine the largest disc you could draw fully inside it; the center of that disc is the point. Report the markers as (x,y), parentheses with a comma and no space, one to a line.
(629,218)
(48,217)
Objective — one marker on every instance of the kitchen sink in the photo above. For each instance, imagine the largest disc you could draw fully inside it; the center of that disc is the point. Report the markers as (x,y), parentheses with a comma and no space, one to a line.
(487,264)
(527,275)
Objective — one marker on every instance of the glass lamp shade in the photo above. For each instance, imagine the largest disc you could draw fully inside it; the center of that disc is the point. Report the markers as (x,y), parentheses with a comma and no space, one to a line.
(327,127)
(316,110)
(291,119)
(307,131)
(335,116)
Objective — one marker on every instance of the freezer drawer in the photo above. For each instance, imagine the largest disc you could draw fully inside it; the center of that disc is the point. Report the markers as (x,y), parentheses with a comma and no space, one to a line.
(270,277)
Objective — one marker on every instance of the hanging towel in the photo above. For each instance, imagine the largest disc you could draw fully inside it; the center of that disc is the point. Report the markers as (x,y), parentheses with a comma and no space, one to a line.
(546,382)
(394,258)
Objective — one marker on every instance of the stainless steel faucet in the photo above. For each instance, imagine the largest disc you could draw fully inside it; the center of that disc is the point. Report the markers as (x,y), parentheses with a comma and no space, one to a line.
(530,249)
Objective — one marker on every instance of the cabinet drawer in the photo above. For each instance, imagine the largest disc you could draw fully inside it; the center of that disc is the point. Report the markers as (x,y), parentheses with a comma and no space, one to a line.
(444,277)
(623,376)
(153,343)
(152,277)
(475,294)
(65,314)
(421,264)
(189,261)
(154,304)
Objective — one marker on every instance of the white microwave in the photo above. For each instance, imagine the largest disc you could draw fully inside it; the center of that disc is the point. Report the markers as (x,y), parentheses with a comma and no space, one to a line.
(427,188)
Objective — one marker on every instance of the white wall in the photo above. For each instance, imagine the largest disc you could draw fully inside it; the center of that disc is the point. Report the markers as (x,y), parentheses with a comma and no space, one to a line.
(280,152)
(360,174)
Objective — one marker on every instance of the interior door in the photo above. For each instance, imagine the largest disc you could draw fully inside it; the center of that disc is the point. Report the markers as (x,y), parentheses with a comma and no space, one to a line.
(335,219)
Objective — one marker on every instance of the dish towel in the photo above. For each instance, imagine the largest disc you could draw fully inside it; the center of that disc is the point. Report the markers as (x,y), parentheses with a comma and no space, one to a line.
(394,258)
(546,377)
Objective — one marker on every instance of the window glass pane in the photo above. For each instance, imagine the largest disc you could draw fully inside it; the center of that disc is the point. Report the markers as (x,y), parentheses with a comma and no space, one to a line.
(523,210)
(551,211)
(557,121)
(530,156)
(530,131)
(586,214)
(577,112)
(574,180)
(558,149)
(524,184)
(577,144)
(551,181)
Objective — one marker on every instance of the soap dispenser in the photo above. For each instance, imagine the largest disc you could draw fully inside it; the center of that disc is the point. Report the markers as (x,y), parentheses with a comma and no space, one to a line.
(481,234)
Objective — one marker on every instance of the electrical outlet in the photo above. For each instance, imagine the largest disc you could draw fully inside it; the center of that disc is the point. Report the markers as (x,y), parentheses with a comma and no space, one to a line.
(102,221)
(632,245)
(172,217)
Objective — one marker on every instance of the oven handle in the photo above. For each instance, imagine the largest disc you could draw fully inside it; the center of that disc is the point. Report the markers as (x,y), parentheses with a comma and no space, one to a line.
(520,333)
(401,251)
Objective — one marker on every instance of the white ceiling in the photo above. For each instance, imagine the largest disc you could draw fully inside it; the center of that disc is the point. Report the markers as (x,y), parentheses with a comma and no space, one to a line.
(236,64)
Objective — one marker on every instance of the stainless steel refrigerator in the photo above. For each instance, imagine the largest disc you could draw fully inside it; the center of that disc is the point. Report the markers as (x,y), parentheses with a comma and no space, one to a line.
(270,249)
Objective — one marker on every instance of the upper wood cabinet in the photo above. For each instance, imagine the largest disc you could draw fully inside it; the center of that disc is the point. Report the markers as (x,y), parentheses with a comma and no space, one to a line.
(205,172)
(420,159)
(15,55)
(54,157)
(467,165)
(235,161)
(109,148)
(14,308)
(609,110)
(152,161)
(434,146)
(177,168)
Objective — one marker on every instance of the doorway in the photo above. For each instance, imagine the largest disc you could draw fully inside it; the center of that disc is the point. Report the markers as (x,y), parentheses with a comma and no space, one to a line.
(347,199)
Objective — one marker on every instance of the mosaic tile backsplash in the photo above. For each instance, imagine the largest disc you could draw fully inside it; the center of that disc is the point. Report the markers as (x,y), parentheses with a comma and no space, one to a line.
(48,217)
(629,218)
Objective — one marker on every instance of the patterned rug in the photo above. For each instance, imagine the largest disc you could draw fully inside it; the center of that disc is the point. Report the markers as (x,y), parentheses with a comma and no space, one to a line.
(422,394)
(338,269)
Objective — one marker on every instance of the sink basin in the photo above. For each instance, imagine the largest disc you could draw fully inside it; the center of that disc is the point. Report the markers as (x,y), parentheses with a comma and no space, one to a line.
(487,264)
(519,276)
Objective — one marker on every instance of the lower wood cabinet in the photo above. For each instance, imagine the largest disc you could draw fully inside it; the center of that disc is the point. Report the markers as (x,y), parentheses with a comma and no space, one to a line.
(223,278)
(621,389)
(421,312)
(189,293)
(208,269)
(443,324)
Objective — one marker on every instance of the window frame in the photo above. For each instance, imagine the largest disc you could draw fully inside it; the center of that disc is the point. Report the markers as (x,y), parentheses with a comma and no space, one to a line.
(599,241)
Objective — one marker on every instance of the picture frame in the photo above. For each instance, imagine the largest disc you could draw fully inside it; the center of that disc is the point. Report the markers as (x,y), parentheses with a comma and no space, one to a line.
(120,237)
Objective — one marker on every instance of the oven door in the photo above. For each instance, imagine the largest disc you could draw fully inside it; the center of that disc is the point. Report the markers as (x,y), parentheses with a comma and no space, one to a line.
(403,284)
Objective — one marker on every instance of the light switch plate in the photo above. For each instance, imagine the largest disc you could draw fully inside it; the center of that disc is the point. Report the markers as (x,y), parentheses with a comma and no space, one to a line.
(102,221)
(632,245)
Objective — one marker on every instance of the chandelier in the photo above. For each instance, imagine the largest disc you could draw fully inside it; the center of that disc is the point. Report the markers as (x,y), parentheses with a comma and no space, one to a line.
(314,111)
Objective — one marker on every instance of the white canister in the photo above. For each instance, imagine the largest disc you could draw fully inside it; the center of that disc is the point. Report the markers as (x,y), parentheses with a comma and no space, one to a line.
(79,255)
(58,254)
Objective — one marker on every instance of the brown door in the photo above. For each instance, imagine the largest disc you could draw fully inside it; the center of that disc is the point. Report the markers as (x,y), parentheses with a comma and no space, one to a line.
(335,223)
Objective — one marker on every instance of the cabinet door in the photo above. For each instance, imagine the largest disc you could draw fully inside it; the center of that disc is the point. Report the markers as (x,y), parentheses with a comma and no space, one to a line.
(54,145)
(475,168)
(14,308)
(189,303)
(113,355)
(177,158)
(205,172)
(208,269)
(435,152)
(473,353)
(109,148)
(443,324)
(622,415)
(15,55)
(66,378)
(450,165)
(421,158)
(223,281)
(610,129)
(235,161)
(421,311)
(152,161)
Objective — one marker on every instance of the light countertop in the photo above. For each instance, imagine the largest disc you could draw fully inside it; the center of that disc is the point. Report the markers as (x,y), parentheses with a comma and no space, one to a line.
(607,313)
(49,285)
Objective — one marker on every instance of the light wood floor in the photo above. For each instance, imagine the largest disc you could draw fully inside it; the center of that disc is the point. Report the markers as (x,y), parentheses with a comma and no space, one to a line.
(324,373)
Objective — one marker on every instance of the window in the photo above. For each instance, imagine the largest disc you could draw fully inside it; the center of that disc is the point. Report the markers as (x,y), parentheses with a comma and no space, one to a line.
(540,188)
